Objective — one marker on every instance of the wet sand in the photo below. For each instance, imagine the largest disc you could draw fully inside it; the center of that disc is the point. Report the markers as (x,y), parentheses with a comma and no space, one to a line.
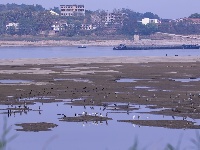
(36,127)
(85,118)
(104,60)
(93,82)
(172,124)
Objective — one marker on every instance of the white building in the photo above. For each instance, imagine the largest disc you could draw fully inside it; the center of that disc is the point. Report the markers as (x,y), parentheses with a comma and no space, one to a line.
(12,25)
(146,21)
(56,27)
(71,10)
(53,13)
(59,26)
(112,18)
(87,27)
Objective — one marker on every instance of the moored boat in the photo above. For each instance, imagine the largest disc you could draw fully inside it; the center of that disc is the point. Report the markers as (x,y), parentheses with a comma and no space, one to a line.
(152,47)
(82,46)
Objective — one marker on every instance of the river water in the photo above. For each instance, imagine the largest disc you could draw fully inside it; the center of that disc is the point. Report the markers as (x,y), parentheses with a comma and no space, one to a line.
(78,136)
(72,52)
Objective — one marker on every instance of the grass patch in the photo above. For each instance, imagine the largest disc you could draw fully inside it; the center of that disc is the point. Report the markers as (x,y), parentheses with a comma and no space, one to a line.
(4,137)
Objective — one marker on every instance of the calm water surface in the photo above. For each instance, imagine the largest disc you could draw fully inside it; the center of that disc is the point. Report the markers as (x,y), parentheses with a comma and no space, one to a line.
(90,136)
(62,52)
(78,136)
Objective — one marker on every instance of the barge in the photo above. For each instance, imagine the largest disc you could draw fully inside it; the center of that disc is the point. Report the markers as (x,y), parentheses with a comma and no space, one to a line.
(152,47)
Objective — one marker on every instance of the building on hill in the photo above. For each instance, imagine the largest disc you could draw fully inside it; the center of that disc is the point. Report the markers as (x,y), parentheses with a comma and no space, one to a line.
(166,20)
(107,19)
(53,13)
(87,27)
(55,27)
(112,18)
(59,26)
(146,21)
(72,10)
(12,25)
(189,20)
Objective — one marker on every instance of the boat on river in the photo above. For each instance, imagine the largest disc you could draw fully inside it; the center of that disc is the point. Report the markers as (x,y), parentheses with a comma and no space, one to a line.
(154,47)
(82,46)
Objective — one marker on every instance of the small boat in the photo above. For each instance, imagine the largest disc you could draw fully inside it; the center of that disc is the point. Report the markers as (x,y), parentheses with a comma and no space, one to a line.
(82,46)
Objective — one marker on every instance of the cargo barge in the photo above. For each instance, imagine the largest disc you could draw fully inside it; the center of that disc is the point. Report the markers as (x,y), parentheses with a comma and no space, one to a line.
(154,47)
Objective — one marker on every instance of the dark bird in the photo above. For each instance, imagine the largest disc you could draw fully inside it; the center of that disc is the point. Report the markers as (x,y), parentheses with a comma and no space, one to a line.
(64,115)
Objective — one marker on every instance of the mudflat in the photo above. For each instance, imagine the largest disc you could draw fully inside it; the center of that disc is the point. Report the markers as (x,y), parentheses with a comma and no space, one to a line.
(168,83)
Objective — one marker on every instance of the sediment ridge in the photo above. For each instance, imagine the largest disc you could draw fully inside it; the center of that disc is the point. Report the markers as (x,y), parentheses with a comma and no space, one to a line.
(134,59)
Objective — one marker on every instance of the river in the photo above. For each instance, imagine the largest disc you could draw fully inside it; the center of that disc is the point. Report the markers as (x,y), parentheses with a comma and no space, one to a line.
(90,136)
(72,52)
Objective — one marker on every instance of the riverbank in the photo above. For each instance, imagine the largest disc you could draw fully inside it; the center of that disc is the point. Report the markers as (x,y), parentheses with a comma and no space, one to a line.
(96,42)
(121,60)
(167,86)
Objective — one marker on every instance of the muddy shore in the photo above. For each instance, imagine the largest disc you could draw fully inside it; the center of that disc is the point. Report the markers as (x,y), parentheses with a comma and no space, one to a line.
(169,83)
(96,42)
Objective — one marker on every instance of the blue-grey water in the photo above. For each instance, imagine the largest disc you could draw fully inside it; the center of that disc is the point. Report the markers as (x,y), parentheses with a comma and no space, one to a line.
(90,136)
(69,52)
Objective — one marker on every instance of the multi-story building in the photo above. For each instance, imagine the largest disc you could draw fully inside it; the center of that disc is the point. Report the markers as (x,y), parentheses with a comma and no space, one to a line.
(71,10)
(112,18)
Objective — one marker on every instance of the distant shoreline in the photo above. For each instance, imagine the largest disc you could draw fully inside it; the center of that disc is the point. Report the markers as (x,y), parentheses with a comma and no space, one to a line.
(124,60)
(56,43)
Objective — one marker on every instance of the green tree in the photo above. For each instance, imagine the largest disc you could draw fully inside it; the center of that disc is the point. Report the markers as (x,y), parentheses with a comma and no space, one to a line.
(131,15)
(56,9)
(147,29)
(11,31)
(195,15)
(150,15)
(129,27)
(87,18)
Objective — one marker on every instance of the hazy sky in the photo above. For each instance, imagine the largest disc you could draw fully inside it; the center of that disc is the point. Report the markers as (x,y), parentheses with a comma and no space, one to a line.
(164,8)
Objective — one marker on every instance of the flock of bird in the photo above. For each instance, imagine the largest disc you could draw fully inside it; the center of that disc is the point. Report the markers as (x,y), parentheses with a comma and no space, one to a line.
(22,102)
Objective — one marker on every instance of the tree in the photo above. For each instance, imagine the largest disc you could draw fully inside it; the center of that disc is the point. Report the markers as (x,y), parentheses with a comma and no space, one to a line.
(147,29)
(131,14)
(11,30)
(195,15)
(150,15)
(88,16)
(15,7)
(129,26)
(2,27)
(56,9)
(39,8)
(26,27)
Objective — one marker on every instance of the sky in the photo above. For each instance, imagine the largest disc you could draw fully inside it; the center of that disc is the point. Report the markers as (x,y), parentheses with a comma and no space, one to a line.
(166,9)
